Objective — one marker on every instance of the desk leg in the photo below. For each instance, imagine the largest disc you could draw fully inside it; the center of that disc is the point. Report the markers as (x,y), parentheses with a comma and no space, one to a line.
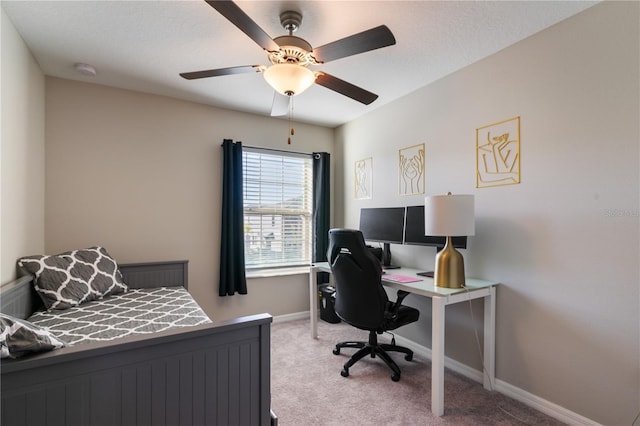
(490,339)
(313,301)
(437,355)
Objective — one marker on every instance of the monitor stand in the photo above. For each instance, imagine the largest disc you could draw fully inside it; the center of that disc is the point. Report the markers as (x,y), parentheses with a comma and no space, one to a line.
(386,257)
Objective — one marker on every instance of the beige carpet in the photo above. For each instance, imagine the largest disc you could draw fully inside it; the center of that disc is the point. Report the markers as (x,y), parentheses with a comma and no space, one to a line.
(307,388)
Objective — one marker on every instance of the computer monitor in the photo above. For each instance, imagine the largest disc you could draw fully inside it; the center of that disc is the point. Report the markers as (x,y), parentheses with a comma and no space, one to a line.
(383,225)
(414,231)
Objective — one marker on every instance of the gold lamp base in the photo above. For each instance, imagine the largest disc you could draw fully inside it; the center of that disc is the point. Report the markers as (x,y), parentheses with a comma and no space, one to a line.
(449,271)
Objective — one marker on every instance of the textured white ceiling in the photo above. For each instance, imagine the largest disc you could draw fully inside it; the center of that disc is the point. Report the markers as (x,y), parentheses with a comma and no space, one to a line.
(144,45)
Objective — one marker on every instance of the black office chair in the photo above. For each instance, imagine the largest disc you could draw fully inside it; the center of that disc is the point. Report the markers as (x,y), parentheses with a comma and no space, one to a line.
(362,302)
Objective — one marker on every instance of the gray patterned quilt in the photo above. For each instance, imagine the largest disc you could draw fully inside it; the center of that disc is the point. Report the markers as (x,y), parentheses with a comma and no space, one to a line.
(138,311)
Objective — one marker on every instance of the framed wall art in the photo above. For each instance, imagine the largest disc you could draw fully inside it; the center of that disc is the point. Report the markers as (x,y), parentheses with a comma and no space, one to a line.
(498,153)
(411,170)
(363,178)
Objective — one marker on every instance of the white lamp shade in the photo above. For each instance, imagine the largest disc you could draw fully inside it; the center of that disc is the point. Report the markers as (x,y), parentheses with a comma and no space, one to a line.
(449,215)
(289,79)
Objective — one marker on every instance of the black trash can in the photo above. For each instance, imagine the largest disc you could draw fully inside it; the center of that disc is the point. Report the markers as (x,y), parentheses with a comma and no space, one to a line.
(327,296)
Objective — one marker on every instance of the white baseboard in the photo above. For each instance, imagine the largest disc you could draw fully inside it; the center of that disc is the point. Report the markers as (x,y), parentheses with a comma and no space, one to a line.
(291,317)
(544,406)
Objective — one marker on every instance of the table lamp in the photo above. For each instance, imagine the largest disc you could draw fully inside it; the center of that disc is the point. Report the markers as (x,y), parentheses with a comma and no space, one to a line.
(447,216)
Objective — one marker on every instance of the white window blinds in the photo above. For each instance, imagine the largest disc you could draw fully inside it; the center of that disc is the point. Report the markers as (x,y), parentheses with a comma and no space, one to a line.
(277,208)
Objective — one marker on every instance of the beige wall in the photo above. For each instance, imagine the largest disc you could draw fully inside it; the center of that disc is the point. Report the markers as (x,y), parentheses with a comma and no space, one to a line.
(565,242)
(141,175)
(21,154)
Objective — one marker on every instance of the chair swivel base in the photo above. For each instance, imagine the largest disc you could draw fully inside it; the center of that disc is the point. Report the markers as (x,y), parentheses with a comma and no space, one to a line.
(373,348)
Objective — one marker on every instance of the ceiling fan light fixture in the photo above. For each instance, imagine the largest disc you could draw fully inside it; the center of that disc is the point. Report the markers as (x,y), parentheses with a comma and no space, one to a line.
(289,79)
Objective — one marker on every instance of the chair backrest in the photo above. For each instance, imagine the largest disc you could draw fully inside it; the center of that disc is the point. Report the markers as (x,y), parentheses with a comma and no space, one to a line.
(360,298)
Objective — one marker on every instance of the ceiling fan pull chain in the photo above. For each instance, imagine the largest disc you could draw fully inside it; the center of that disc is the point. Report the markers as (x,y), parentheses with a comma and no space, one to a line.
(291,131)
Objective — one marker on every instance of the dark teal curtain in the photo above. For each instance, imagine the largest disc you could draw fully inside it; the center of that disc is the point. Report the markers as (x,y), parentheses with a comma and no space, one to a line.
(232,273)
(321,210)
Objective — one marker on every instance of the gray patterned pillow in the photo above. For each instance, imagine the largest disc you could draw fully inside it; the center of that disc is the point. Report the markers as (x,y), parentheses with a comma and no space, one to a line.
(19,337)
(74,277)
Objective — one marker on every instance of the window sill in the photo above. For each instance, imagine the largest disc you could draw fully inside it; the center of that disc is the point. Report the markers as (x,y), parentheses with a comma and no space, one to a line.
(278,272)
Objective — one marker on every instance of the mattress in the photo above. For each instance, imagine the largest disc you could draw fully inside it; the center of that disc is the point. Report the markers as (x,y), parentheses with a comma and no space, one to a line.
(138,311)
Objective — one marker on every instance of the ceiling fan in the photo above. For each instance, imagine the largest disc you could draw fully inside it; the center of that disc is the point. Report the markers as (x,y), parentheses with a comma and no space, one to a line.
(290,57)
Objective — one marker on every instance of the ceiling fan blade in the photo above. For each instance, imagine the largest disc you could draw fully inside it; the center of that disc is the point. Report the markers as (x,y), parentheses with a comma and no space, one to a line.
(221,71)
(344,88)
(237,17)
(365,41)
(280,104)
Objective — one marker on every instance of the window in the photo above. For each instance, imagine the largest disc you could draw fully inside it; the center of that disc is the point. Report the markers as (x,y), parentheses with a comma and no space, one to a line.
(277,208)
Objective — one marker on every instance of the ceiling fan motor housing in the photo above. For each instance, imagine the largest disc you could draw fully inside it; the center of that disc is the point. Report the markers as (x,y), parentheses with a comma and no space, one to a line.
(293,50)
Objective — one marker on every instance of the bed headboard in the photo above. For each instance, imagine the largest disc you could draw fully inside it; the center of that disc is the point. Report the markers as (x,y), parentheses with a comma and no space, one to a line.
(156,274)
(19,299)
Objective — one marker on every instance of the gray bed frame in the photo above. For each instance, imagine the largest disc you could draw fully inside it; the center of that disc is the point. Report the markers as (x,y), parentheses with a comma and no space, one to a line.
(213,374)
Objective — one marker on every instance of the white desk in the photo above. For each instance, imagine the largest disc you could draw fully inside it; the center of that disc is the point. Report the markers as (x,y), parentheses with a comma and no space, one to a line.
(440,297)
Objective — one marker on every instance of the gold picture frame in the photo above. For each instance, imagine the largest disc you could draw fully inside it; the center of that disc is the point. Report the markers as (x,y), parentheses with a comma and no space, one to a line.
(498,153)
(411,162)
(363,178)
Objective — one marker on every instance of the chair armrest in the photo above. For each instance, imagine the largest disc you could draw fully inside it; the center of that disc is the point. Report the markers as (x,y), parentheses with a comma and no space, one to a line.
(401,295)
(396,305)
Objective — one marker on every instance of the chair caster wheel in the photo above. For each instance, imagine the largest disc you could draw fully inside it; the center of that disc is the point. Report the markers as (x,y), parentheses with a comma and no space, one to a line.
(395,377)
(344,372)
(336,351)
(409,357)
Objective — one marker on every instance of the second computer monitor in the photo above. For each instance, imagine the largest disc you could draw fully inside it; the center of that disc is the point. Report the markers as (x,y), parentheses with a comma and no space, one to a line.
(414,231)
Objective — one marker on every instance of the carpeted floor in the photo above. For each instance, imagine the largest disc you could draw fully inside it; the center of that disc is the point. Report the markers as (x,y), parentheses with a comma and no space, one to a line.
(307,388)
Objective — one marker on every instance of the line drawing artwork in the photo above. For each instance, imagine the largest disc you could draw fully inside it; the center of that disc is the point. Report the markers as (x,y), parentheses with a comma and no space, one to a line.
(498,153)
(363,178)
(411,170)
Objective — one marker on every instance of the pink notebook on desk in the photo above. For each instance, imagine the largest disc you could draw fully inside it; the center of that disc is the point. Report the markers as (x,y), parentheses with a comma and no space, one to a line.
(401,278)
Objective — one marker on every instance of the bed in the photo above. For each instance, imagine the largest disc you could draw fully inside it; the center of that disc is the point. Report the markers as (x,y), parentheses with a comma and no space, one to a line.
(209,374)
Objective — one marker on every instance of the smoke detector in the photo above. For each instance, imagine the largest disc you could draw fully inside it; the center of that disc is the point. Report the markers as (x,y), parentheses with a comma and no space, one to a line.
(85,69)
